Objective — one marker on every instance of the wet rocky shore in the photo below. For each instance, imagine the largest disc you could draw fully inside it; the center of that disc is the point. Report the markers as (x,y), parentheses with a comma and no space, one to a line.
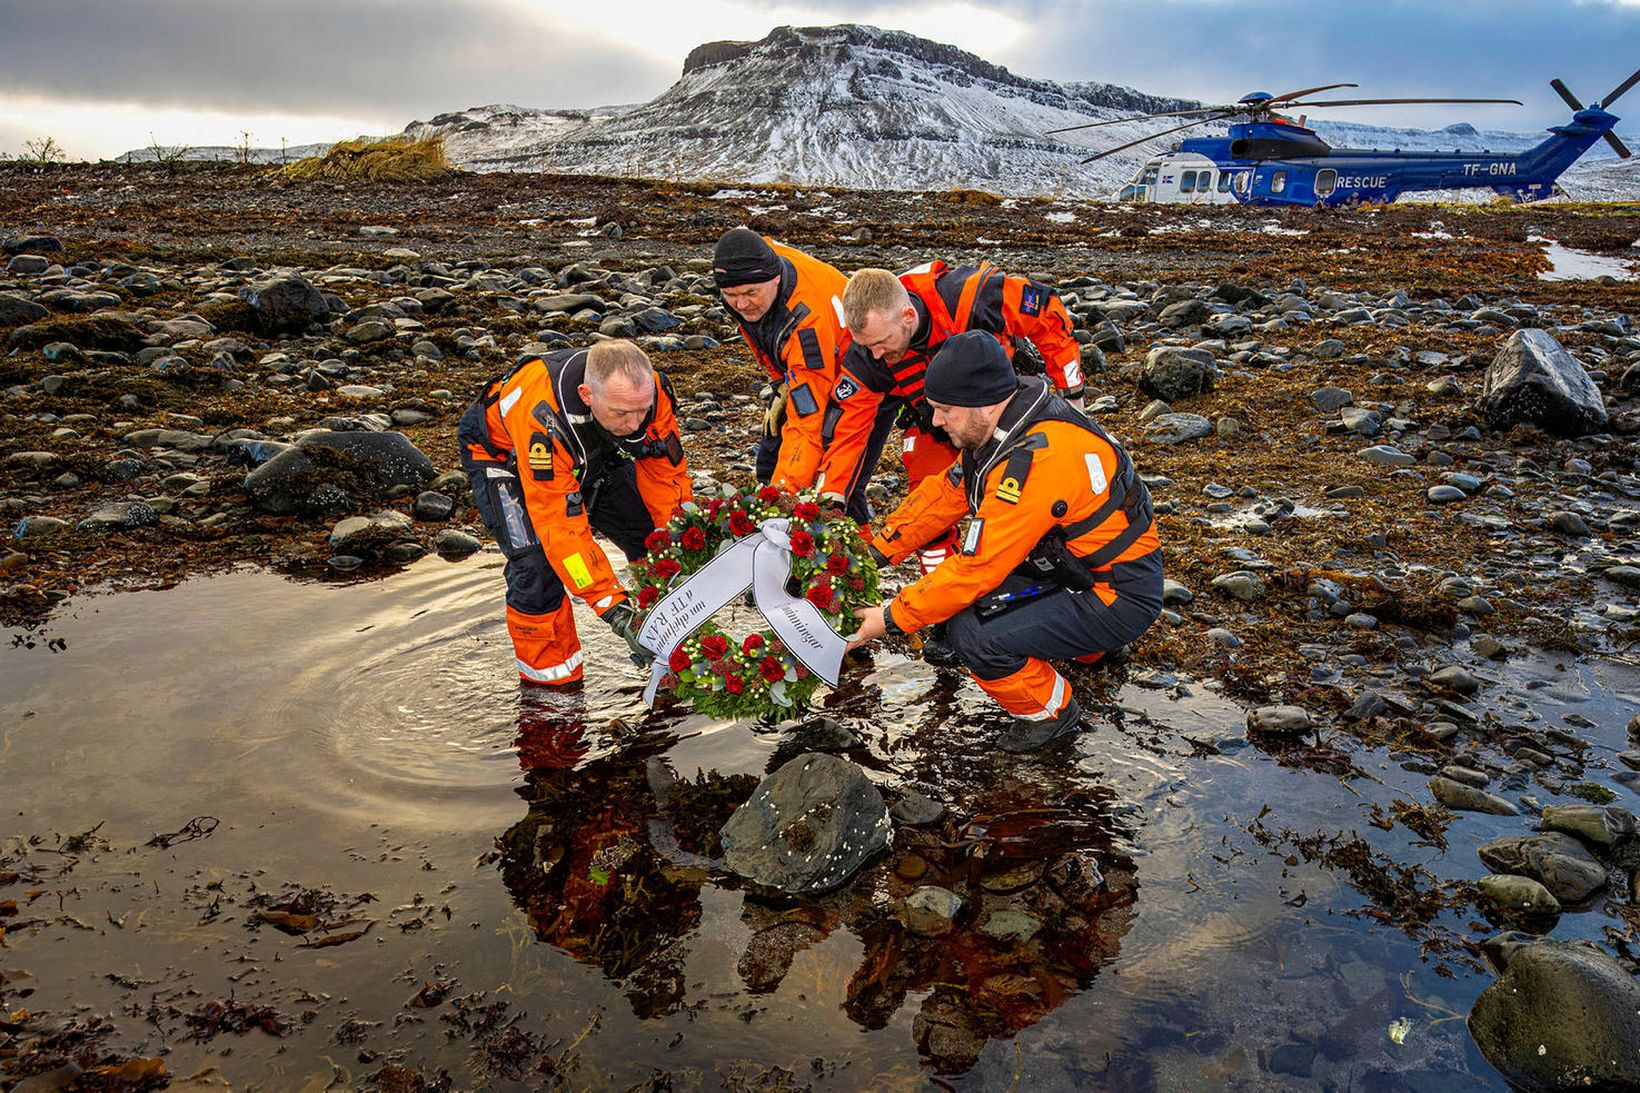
(1391,464)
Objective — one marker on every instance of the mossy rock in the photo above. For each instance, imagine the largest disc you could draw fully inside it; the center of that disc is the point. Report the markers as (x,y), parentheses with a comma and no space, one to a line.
(104,330)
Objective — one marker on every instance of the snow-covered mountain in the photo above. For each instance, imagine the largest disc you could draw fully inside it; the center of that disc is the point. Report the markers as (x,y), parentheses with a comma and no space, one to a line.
(845,105)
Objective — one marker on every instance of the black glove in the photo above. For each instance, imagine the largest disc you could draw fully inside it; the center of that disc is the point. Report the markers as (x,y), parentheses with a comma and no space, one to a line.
(620,619)
(878,556)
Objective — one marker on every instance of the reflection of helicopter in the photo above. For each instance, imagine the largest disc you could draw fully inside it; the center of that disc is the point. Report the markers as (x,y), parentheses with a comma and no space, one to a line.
(1267,159)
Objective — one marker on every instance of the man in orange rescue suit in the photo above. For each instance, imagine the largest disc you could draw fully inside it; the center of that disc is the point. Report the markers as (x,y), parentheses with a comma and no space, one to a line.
(789,308)
(1060,560)
(580,439)
(898,323)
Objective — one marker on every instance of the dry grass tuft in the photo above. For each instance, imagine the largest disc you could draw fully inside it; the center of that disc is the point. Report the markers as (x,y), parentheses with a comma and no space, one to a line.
(395,159)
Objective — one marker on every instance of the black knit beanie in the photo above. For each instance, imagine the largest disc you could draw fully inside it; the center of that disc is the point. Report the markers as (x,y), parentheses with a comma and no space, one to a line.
(970,369)
(743,258)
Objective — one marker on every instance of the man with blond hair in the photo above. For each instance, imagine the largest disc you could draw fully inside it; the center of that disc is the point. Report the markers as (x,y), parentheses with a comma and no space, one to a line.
(581,439)
(898,323)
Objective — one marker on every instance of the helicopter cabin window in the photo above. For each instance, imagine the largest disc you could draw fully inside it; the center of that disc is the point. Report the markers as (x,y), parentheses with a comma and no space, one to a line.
(1224,181)
(1278,182)
(1187,182)
(1326,182)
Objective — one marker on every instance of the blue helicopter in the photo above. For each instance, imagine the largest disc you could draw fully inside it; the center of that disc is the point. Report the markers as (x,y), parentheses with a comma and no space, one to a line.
(1268,159)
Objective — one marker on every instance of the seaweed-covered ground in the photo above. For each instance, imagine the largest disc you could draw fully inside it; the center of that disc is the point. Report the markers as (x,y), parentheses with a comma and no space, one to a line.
(1421,632)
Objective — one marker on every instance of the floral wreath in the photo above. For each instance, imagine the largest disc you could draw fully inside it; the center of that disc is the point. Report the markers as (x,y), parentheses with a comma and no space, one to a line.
(754,676)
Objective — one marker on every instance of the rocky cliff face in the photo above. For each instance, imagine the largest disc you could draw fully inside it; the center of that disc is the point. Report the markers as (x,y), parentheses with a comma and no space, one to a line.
(845,105)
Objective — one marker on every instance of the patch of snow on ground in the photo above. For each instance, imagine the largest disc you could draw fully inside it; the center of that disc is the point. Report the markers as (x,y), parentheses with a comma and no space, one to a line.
(1570,264)
(1059,217)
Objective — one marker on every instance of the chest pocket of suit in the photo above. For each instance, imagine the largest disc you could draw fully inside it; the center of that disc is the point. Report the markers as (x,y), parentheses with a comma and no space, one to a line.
(809,342)
(803,400)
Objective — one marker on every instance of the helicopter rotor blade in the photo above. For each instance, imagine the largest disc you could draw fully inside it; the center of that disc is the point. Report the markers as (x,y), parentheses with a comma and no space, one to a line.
(1618,91)
(1151,137)
(1565,93)
(1307,91)
(1136,117)
(1376,102)
(1618,146)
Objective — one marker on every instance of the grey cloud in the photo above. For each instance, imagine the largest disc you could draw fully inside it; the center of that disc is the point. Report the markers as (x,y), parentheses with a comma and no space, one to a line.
(1457,48)
(385,58)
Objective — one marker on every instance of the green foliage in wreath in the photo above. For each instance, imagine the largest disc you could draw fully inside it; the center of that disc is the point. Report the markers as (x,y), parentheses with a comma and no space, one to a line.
(755,676)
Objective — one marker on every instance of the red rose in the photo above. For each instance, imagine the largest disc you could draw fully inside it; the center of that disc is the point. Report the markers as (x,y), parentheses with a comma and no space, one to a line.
(659,539)
(714,646)
(733,684)
(740,524)
(679,660)
(693,539)
(802,544)
(647,595)
(772,669)
(837,563)
(807,510)
(819,594)
(752,644)
(667,568)
(865,532)
(714,506)
(768,494)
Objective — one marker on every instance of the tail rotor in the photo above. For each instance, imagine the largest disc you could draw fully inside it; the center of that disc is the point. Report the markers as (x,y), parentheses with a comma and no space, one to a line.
(1571,100)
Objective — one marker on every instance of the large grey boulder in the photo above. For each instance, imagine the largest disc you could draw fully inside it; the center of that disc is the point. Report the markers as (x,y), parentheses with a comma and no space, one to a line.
(287,304)
(808,827)
(1557,861)
(1601,825)
(1172,372)
(1177,428)
(1534,381)
(336,472)
(16,310)
(1562,1016)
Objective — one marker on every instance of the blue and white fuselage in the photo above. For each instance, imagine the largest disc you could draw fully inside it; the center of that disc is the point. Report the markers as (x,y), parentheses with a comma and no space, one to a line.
(1279,163)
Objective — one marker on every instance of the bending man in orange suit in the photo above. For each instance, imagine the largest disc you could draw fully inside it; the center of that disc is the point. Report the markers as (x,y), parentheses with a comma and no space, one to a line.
(789,308)
(577,440)
(898,324)
(1060,560)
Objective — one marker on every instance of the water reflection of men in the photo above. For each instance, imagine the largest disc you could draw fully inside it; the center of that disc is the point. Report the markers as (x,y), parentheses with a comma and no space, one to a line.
(581,439)
(1060,561)
(581,865)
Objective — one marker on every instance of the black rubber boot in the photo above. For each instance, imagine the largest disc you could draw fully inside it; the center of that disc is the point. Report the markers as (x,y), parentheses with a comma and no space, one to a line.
(1023,735)
(938,651)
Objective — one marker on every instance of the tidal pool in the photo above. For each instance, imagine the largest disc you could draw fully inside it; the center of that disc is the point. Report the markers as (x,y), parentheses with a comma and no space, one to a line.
(519,889)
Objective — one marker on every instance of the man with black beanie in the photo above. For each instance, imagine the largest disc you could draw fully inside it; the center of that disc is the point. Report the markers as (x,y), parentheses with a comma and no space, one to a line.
(1060,559)
(788,307)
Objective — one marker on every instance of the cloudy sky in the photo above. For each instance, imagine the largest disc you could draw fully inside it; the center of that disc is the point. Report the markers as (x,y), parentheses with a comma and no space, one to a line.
(104,76)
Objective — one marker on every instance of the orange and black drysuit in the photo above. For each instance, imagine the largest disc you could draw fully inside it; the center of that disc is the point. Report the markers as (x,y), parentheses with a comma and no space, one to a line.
(871,394)
(1060,523)
(798,342)
(544,475)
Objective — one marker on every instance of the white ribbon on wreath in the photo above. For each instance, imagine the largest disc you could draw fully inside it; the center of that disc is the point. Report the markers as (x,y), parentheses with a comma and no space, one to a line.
(763,563)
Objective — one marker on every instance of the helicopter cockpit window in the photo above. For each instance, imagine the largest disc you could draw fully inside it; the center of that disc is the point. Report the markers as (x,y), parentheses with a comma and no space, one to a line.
(1278,182)
(1149,177)
(1224,181)
(1325,182)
